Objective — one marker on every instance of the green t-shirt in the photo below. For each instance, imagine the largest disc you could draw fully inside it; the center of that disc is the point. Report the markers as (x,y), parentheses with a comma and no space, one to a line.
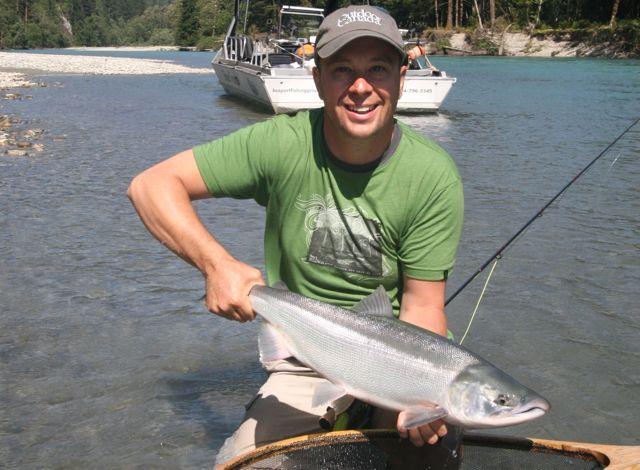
(335,232)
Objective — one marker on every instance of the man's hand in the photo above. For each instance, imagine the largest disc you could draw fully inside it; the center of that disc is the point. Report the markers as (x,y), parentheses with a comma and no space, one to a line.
(426,434)
(228,284)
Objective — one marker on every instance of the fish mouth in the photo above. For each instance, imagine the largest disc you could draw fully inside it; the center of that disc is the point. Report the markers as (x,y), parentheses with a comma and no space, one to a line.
(538,403)
(528,411)
(532,409)
(531,413)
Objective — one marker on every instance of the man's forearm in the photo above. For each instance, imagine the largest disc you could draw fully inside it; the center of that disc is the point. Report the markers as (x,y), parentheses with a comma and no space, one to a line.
(429,318)
(165,208)
(423,305)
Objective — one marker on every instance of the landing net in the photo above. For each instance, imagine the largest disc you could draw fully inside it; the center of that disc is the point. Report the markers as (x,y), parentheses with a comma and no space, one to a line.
(384,450)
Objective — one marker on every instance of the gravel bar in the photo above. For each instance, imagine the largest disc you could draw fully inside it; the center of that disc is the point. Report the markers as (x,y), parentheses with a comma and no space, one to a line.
(91,65)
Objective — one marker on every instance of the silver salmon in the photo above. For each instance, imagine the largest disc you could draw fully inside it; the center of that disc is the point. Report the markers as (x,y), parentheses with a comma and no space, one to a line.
(369,354)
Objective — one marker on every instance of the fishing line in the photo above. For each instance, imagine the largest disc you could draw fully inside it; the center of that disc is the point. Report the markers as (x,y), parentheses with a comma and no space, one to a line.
(473,315)
(499,253)
(614,161)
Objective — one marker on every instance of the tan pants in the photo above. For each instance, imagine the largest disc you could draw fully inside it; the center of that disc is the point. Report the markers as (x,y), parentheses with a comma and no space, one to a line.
(281,409)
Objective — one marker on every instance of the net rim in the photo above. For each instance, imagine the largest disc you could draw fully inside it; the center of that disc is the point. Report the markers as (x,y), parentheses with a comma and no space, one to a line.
(598,452)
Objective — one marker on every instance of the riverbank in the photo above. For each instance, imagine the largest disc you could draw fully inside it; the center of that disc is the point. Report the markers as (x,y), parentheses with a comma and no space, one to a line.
(125,48)
(520,44)
(90,65)
(17,68)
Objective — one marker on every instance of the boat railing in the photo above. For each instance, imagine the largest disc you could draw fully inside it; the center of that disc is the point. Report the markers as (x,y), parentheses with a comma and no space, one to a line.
(238,48)
(244,49)
(230,31)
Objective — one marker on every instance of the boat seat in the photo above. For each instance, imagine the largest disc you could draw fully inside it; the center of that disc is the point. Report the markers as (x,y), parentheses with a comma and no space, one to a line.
(280,59)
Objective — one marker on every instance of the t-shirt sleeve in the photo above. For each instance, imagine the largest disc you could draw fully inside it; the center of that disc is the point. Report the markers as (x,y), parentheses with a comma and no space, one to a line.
(428,247)
(239,165)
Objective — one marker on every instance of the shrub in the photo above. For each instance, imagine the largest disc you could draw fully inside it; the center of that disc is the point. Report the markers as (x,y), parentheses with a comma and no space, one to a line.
(628,32)
(208,43)
(161,37)
(483,42)
(442,43)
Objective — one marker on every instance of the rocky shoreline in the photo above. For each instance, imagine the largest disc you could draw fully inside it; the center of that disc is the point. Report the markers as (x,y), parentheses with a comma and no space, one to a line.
(14,80)
(17,70)
(16,139)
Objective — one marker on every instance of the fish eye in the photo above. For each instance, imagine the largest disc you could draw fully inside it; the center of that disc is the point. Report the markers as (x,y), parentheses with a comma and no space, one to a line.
(502,400)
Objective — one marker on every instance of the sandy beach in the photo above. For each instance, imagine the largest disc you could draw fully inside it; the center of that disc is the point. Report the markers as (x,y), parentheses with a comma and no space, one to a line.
(124,48)
(15,67)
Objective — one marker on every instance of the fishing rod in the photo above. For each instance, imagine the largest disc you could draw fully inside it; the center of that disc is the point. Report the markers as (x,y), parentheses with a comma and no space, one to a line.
(498,254)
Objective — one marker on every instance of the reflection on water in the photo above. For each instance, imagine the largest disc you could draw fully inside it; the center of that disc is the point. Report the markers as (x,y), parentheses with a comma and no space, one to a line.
(108,359)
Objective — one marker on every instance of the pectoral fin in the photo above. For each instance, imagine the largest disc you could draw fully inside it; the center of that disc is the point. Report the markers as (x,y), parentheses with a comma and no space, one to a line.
(420,415)
(326,393)
(271,344)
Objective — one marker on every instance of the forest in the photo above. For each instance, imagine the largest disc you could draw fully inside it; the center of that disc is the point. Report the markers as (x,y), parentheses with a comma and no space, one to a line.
(202,23)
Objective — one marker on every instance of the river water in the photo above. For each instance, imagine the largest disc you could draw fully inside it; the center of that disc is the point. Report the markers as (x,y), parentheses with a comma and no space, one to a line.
(108,359)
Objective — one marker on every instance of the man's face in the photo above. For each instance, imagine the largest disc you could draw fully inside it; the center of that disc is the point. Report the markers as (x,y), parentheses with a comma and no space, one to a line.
(360,86)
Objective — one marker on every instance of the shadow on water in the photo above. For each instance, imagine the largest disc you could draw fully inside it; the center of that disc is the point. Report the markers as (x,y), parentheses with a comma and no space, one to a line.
(242,106)
(454,115)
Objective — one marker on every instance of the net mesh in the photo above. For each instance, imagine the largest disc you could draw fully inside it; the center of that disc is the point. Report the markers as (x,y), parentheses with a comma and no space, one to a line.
(384,450)
(500,453)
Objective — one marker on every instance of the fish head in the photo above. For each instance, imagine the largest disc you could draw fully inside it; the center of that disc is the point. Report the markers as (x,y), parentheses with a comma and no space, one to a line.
(482,396)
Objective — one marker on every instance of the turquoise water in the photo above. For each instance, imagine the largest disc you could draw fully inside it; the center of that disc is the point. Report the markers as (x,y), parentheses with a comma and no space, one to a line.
(107,359)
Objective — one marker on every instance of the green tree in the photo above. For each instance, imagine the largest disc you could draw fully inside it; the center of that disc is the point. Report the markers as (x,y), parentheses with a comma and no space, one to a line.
(6,21)
(93,31)
(214,17)
(187,28)
(40,23)
(140,29)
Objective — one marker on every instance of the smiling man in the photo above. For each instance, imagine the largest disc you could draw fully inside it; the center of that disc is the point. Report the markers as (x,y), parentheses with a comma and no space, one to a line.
(354,200)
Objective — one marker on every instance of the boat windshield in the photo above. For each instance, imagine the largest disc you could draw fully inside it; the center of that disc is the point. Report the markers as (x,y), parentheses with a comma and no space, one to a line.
(297,25)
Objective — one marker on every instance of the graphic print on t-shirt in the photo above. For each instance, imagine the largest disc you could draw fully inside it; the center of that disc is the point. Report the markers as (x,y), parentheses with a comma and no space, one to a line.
(343,238)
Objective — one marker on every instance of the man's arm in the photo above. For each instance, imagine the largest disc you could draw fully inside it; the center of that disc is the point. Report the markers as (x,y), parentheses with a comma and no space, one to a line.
(423,305)
(162,197)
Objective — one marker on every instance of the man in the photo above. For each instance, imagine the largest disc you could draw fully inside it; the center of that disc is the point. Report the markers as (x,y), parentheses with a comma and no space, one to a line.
(354,200)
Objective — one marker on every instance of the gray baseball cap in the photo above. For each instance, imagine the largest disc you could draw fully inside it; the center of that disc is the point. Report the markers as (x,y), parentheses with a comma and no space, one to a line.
(353,22)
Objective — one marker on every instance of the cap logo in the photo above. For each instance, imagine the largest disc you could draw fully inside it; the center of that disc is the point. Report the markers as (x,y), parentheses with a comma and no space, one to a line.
(359,15)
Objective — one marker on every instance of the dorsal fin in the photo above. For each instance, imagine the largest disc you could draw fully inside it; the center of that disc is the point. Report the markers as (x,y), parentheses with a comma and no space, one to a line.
(377,303)
(280,285)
